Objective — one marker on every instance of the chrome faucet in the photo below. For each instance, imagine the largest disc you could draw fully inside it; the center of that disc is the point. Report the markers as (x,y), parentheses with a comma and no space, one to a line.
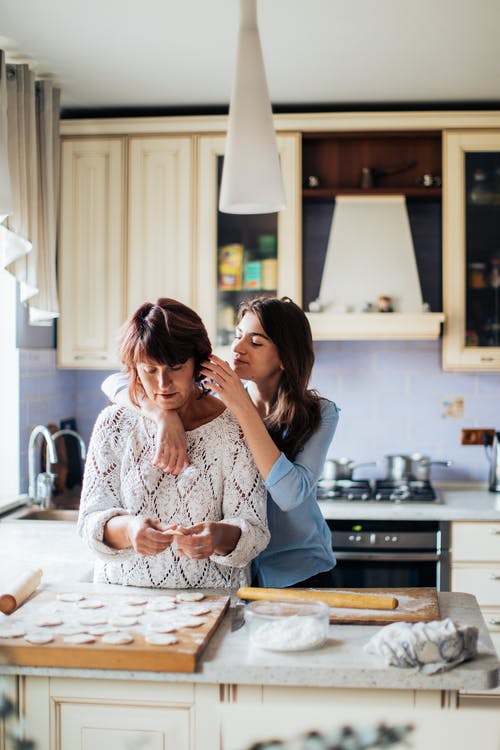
(40,486)
(81,441)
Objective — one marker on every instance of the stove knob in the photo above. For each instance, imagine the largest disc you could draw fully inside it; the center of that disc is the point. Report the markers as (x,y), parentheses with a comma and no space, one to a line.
(358,538)
(394,539)
(387,538)
(351,537)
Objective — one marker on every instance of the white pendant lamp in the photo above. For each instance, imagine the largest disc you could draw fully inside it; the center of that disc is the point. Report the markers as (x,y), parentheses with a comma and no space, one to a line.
(251,175)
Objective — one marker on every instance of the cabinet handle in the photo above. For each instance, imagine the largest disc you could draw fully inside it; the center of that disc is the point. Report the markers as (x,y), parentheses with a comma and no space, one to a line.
(494,577)
(494,622)
(494,531)
(487,359)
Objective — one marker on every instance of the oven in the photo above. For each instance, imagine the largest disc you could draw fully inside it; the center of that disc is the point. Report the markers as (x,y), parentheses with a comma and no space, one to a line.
(391,554)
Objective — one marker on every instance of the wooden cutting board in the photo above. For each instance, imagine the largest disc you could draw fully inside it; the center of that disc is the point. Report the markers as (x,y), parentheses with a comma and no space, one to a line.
(182,656)
(414,605)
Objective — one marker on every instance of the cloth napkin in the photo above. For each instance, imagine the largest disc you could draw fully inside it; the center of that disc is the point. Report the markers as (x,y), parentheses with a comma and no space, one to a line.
(430,646)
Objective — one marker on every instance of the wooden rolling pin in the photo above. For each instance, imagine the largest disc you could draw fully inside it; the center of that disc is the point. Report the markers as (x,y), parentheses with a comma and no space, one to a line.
(19,590)
(332,598)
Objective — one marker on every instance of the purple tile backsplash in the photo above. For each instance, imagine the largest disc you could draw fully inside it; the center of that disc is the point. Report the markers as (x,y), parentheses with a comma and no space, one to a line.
(390,394)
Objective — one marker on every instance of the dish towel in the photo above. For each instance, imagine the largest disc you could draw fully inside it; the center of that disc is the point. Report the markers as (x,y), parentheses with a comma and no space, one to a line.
(430,646)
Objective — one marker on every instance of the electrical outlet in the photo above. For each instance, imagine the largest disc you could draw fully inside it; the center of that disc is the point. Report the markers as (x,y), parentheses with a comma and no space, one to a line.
(477,436)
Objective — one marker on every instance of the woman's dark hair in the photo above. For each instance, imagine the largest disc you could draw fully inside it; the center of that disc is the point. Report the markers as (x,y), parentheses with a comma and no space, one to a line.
(295,413)
(166,332)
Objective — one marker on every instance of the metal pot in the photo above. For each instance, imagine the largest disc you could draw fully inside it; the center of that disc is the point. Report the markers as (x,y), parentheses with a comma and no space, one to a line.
(340,468)
(421,466)
(399,467)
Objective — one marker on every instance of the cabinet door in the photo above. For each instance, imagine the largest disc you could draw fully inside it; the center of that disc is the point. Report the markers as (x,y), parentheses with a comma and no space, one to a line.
(91,252)
(160,210)
(242,256)
(471,263)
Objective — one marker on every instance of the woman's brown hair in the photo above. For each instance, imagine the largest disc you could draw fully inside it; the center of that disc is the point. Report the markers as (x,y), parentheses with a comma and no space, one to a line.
(166,332)
(295,413)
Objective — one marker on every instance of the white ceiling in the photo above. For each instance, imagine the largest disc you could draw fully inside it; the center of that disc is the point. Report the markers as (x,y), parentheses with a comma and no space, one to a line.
(181,53)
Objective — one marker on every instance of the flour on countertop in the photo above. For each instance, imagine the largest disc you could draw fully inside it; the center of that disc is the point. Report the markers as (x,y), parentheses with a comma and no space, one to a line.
(293,634)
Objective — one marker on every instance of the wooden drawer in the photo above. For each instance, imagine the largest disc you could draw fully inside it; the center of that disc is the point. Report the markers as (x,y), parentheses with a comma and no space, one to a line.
(483,581)
(475,541)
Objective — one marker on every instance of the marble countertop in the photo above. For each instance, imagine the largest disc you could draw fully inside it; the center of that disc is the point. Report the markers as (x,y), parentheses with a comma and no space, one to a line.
(230,658)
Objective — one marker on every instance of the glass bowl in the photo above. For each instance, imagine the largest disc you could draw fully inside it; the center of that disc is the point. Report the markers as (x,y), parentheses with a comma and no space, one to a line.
(287,626)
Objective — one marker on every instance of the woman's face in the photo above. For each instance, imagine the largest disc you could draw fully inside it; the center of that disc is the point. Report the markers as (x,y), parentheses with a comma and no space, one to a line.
(255,356)
(168,387)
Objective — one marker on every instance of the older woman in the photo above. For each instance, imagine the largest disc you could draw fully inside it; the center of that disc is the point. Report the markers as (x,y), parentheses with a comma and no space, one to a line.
(148,528)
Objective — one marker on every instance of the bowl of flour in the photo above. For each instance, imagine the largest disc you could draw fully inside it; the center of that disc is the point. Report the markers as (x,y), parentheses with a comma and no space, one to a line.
(287,626)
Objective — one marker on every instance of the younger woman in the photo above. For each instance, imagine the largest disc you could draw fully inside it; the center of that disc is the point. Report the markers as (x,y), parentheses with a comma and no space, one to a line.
(288,429)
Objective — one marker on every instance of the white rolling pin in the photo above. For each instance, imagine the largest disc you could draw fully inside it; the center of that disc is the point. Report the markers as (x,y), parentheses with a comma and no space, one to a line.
(332,598)
(19,591)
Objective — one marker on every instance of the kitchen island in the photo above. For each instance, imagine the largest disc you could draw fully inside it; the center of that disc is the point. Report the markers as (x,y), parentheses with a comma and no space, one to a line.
(108,708)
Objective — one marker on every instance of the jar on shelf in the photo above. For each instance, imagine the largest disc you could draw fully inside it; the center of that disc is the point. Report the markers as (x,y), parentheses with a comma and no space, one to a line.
(494,273)
(476,275)
(479,192)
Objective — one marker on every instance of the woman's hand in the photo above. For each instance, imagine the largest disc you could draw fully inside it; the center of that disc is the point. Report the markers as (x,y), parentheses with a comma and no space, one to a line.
(209,538)
(225,382)
(171,448)
(146,535)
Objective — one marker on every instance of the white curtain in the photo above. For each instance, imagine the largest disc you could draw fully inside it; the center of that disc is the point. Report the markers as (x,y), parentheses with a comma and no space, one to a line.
(28,234)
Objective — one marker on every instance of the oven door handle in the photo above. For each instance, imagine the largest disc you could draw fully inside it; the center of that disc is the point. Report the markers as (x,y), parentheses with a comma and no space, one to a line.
(395,556)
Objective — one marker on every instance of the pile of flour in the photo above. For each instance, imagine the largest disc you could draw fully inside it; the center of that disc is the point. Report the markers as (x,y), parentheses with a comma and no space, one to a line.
(294,633)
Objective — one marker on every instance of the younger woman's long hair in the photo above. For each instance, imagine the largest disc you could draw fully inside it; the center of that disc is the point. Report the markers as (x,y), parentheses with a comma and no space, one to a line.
(166,332)
(295,413)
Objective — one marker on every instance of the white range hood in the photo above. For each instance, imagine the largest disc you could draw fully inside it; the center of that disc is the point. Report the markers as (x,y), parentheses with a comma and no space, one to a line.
(370,254)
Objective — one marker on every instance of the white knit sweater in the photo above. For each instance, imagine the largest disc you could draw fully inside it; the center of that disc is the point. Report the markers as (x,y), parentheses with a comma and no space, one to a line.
(222,483)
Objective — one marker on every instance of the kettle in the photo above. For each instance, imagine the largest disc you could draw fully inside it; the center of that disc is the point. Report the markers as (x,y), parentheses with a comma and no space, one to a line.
(494,477)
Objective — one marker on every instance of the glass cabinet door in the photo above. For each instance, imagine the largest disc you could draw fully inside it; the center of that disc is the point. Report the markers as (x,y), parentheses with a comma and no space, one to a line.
(472,251)
(242,256)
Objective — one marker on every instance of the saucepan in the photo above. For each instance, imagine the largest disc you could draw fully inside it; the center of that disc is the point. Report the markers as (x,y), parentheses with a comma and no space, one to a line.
(340,468)
(421,466)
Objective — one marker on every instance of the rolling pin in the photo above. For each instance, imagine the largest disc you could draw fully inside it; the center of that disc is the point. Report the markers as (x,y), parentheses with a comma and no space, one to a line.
(332,598)
(19,591)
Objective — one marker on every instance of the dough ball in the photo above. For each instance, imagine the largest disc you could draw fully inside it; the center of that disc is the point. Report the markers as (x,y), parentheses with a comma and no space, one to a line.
(160,639)
(79,638)
(118,638)
(39,637)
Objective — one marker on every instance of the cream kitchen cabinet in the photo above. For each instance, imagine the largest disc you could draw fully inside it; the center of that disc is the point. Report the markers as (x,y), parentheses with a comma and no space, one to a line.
(476,570)
(215,303)
(92,714)
(471,260)
(125,237)
(91,254)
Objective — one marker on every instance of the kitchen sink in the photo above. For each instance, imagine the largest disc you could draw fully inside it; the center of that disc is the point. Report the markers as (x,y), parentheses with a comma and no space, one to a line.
(44,514)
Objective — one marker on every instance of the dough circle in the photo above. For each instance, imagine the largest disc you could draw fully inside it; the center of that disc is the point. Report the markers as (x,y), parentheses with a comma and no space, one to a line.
(160,639)
(44,621)
(122,622)
(70,597)
(12,631)
(91,604)
(160,605)
(162,626)
(190,596)
(71,630)
(94,620)
(118,638)
(134,601)
(39,637)
(79,638)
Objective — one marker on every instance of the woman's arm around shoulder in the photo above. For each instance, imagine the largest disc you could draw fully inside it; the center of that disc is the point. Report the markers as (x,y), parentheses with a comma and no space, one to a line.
(244,501)
(291,482)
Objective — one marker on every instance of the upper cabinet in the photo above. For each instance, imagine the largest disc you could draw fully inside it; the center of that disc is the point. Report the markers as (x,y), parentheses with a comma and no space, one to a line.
(240,256)
(91,251)
(125,237)
(472,250)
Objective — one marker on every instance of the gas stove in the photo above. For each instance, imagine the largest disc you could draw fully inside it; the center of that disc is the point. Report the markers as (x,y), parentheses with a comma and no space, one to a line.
(380,490)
